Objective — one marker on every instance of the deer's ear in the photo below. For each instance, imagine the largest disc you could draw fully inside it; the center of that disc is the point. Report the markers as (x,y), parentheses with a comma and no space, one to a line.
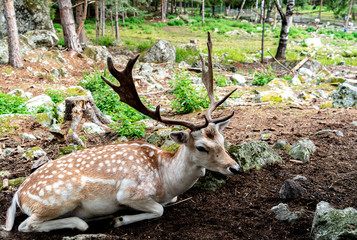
(222,125)
(180,137)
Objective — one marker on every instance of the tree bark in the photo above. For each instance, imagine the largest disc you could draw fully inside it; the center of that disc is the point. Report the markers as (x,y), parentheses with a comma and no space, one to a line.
(96,20)
(180,6)
(116,21)
(263,17)
(203,12)
(69,30)
(320,9)
(286,20)
(275,16)
(213,10)
(256,11)
(241,9)
(15,57)
(349,14)
(81,15)
(102,17)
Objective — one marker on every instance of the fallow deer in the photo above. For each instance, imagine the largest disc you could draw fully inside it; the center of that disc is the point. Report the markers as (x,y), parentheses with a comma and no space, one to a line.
(99,181)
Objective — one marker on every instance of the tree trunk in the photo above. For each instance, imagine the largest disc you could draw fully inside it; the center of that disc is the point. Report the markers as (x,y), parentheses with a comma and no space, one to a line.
(69,30)
(203,12)
(96,20)
(262,9)
(349,14)
(116,21)
(180,6)
(192,7)
(275,16)
(241,9)
(15,57)
(102,17)
(81,12)
(163,10)
(286,20)
(256,11)
(320,9)
(213,10)
(263,17)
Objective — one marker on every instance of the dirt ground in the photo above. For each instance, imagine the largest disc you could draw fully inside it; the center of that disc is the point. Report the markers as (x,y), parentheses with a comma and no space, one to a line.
(241,209)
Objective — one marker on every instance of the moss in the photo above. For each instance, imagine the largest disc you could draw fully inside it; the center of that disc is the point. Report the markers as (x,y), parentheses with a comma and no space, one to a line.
(326,105)
(34,152)
(211,181)
(15,182)
(76,91)
(8,71)
(171,148)
(273,97)
(68,150)
(6,121)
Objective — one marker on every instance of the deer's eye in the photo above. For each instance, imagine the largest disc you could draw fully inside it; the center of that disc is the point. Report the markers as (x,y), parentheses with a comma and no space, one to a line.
(202,149)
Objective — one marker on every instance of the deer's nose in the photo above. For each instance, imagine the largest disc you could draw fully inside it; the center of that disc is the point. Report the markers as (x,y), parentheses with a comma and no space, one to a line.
(234,170)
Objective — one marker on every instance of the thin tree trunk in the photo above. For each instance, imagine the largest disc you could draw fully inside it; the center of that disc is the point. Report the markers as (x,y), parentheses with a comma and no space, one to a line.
(192,7)
(320,9)
(96,20)
(69,30)
(163,10)
(102,17)
(286,20)
(213,10)
(241,9)
(263,17)
(262,9)
(15,57)
(116,21)
(256,11)
(349,14)
(203,12)
(81,15)
(275,16)
(112,20)
(180,6)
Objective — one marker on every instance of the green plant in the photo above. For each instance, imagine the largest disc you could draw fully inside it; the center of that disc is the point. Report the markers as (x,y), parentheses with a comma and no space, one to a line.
(106,41)
(175,22)
(11,104)
(189,55)
(263,77)
(311,29)
(222,81)
(187,97)
(109,103)
(57,96)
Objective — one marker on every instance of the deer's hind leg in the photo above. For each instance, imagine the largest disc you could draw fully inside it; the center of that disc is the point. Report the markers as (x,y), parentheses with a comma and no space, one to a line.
(35,224)
(150,208)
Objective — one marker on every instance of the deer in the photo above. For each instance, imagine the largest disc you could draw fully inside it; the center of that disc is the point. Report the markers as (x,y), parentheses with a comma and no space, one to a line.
(96,182)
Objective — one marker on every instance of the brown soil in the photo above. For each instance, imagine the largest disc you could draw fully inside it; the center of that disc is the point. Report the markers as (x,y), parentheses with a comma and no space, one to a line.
(241,209)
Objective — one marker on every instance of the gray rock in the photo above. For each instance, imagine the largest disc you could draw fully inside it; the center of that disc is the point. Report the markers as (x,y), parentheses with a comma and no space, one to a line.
(282,145)
(41,38)
(238,79)
(345,96)
(313,65)
(291,190)
(20,93)
(39,162)
(331,223)
(34,153)
(337,132)
(321,93)
(295,81)
(265,135)
(188,46)
(283,213)
(29,136)
(89,237)
(91,128)
(4,53)
(6,152)
(30,15)
(354,123)
(253,155)
(161,52)
(46,119)
(302,150)
(299,177)
(159,137)
(37,102)
(97,53)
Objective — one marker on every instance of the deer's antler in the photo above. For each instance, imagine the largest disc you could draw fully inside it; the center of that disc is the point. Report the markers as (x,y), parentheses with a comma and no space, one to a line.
(129,95)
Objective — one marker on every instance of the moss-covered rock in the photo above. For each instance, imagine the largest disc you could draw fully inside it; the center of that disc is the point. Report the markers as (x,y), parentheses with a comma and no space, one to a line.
(330,223)
(326,105)
(253,155)
(282,145)
(159,137)
(278,83)
(68,150)
(211,181)
(97,53)
(34,153)
(345,96)
(302,150)
(45,119)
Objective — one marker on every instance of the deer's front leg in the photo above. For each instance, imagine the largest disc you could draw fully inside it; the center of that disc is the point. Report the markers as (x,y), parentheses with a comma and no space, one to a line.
(150,208)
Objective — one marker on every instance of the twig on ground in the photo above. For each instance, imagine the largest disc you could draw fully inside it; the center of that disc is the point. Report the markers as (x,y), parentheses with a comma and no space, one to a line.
(175,203)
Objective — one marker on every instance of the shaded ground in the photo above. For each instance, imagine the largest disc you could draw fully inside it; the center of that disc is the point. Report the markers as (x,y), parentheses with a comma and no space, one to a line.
(240,210)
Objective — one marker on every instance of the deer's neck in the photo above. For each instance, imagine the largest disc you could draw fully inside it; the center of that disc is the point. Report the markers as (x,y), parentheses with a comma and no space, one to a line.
(179,172)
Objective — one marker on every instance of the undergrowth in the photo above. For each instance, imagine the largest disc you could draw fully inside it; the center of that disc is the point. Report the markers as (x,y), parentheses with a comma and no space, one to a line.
(12,104)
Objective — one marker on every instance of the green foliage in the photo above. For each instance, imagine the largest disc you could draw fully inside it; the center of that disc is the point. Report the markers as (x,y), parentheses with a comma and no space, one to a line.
(11,104)
(222,81)
(175,22)
(188,55)
(311,29)
(187,97)
(109,103)
(60,41)
(106,41)
(140,46)
(57,96)
(263,77)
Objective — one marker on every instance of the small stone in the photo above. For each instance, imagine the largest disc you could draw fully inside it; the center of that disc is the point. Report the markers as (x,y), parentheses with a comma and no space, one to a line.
(281,144)
(41,161)
(92,128)
(299,177)
(291,190)
(284,214)
(29,136)
(302,149)
(34,153)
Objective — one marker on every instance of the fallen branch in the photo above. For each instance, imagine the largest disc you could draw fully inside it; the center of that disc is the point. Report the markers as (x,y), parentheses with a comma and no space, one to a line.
(296,161)
(302,62)
(175,203)
(279,62)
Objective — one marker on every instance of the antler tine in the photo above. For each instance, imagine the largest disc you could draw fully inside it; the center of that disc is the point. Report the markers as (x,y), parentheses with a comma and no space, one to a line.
(207,79)
(129,95)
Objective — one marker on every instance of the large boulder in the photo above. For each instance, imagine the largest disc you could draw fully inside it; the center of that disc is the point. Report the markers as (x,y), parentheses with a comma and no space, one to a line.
(41,38)
(345,96)
(39,102)
(161,52)
(30,15)
(253,155)
(97,53)
(4,53)
(331,223)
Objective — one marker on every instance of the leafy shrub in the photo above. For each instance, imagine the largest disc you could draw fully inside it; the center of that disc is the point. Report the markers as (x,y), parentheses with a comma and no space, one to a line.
(187,97)
(263,77)
(175,22)
(311,29)
(106,41)
(222,81)
(136,20)
(109,103)
(57,96)
(188,55)
(11,104)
